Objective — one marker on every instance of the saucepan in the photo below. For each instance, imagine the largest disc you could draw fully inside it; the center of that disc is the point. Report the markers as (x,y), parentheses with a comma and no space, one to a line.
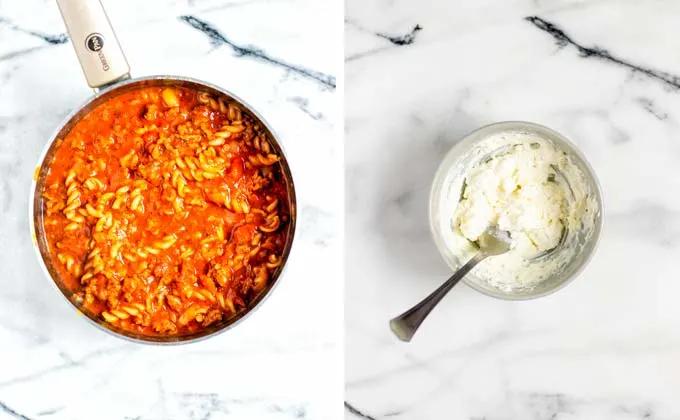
(108,73)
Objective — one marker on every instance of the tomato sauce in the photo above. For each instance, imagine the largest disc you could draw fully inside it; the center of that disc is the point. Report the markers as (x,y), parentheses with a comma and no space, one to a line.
(166,210)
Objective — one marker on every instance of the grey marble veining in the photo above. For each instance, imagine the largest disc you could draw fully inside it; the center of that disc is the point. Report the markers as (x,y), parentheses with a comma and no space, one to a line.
(605,74)
(281,363)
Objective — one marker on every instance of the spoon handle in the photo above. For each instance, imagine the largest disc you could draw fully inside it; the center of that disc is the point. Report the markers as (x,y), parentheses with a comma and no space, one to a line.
(405,325)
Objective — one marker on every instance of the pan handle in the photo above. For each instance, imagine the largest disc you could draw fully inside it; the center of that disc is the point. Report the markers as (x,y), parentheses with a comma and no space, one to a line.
(96,45)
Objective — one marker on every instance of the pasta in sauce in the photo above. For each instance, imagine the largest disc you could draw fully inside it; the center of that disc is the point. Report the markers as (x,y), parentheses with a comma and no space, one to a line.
(165,210)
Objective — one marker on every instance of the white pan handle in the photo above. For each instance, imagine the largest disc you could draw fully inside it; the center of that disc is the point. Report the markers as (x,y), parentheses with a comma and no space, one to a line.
(96,46)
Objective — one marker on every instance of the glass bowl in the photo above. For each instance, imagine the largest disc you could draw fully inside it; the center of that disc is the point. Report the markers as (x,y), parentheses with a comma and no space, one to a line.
(444,192)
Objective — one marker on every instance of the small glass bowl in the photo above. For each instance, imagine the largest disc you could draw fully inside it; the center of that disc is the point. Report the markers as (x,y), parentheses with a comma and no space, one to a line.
(443,190)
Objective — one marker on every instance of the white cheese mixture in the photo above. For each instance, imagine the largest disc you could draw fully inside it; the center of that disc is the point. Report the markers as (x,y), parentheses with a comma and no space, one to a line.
(518,191)
(533,190)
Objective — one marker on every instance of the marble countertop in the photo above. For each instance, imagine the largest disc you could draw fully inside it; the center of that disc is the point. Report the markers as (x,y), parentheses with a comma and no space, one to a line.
(418,76)
(284,361)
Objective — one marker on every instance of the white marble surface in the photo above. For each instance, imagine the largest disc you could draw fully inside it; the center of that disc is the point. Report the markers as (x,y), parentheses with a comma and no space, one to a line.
(604,348)
(284,361)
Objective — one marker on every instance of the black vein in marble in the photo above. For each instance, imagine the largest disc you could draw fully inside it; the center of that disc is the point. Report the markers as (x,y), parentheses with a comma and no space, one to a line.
(4,408)
(400,40)
(643,412)
(37,375)
(68,364)
(303,105)
(349,407)
(550,405)
(20,53)
(50,39)
(50,412)
(210,403)
(364,54)
(649,106)
(217,38)
(396,40)
(563,40)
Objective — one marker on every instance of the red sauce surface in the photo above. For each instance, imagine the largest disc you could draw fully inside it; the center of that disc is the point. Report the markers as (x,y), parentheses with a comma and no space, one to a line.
(165,210)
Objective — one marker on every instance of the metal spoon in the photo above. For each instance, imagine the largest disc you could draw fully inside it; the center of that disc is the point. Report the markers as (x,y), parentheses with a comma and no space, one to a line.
(492,242)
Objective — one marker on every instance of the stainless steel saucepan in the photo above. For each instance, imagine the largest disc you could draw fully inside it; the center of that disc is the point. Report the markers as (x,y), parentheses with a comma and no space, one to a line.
(108,73)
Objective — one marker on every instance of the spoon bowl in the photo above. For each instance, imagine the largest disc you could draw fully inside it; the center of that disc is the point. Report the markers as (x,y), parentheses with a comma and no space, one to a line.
(495,241)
